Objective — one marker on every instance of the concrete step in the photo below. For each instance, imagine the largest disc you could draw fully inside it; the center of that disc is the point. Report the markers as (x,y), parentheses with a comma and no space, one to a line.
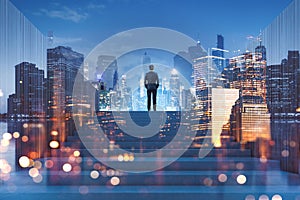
(148,193)
(181,164)
(191,152)
(183,178)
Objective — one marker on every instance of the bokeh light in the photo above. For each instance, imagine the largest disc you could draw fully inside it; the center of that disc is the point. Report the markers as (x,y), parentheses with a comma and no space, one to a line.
(76,153)
(241,179)
(37,164)
(4,143)
(285,153)
(250,197)
(276,197)
(54,133)
(24,161)
(7,136)
(5,168)
(25,138)
(16,135)
(76,169)
(115,181)
(208,181)
(222,178)
(263,197)
(94,174)
(83,189)
(38,179)
(49,164)
(240,166)
(120,158)
(67,167)
(54,144)
(33,172)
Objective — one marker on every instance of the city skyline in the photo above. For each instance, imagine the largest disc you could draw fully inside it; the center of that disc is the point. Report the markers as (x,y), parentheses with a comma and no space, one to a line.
(79,33)
(225,124)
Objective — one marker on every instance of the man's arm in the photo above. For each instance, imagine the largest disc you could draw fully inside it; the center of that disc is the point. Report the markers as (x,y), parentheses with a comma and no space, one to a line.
(157,81)
(145,81)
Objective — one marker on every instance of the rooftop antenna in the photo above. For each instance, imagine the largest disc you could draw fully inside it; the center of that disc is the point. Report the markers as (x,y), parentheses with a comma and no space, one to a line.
(198,39)
(259,38)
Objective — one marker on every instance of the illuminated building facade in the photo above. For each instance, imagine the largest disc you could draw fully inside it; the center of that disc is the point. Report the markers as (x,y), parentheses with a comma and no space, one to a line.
(218,54)
(281,37)
(283,102)
(28,100)
(102,97)
(222,101)
(62,66)
(249,74)
(250,118)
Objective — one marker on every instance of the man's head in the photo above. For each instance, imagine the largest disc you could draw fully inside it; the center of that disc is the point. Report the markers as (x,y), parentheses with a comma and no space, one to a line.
(151,67)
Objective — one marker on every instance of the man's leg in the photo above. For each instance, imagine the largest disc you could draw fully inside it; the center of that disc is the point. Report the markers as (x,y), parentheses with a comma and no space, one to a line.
(154,99)
(149,99)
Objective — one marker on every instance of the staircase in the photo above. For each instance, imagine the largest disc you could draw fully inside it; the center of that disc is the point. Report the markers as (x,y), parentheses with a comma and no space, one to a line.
(223,174)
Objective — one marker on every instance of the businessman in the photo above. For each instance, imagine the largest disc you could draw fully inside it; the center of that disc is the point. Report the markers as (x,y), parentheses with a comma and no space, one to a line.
(151,83)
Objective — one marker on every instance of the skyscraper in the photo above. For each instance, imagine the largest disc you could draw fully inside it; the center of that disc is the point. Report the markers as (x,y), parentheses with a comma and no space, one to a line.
(106,69)
(183,63)
(29,87)
(174,90)
(62,66)
(218,54)
(20,41)
(250,119)
(249,75)
(282,85)
(283,103)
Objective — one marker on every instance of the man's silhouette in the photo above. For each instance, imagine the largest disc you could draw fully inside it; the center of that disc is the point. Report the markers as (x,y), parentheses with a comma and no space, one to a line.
(151,83)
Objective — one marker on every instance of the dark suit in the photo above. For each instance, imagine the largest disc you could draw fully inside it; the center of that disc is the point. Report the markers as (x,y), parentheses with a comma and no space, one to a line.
(151,83)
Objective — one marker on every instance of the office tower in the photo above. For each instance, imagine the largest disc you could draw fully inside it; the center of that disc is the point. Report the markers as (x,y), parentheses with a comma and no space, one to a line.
(20,41)
(12,103)
(28,103)
(126,95)
(279,37)
(249,75)
(28,100)
(196,51)
(202,84)
(106,69)
(85,71)
(62,66)
(250,126)
(250,119)
(282,85)
(261,51)
(183,63)
(283,103)
(218,54)
(102,97)
(222,101)
(174,90)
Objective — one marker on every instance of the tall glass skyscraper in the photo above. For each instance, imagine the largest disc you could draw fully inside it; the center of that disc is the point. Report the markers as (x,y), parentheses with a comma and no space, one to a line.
(62,66)
(20,41)
(282,42)
(218,54)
